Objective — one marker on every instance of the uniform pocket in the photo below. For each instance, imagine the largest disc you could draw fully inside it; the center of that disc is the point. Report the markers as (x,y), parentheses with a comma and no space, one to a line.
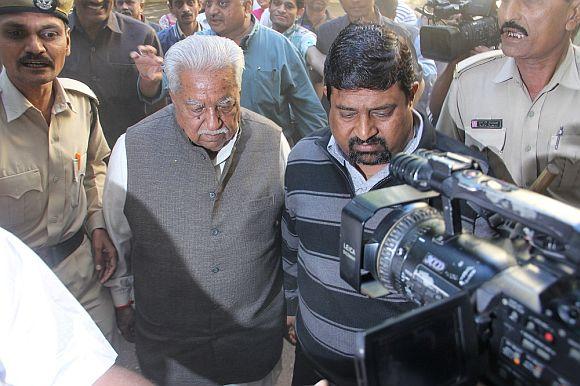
(564,152)
(494,139)
(20,198)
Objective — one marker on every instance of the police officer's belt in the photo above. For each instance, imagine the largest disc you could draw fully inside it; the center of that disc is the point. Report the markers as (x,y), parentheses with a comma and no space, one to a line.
(53,255)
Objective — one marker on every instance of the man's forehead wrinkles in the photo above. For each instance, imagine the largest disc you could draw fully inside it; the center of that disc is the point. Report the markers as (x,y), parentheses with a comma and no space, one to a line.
(366,108)
(191,101)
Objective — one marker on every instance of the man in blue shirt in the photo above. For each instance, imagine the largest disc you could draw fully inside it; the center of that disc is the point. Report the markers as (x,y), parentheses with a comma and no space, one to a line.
(185,12)
(274,83)
(283,15)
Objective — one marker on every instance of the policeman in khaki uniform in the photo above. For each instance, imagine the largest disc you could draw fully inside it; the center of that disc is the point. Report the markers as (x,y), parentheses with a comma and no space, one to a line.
(52,152)
(521,105)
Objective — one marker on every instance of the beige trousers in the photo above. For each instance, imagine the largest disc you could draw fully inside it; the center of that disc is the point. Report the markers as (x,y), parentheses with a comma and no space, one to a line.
(78,274)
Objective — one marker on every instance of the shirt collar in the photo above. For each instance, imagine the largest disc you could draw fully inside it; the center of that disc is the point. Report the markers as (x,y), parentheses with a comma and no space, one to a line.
(180,33)
(246,39)
(362,185)
(225,152)
(61,100)
(15,104)
(566,73)
(112,22)
(288,33)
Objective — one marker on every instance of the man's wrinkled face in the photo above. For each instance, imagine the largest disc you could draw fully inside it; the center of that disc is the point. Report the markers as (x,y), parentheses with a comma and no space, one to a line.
(283,14)
(536,29)
(185,11)
(33,47)
(317,5)
(226,17)
(132,8)
(94,12)
(357,9)
(207,107)
(370,126)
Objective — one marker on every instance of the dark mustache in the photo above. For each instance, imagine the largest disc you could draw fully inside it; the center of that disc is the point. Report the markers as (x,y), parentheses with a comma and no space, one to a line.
(36,58)
(186,14)
(371,141)
(513,25)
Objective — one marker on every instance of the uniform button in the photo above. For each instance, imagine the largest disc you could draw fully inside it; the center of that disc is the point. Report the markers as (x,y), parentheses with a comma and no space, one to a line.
(212,195)
(215,231)
(55,179)
(93,49)
(53,219)
(215,269)
(531,114)
(203,156)
(528,148)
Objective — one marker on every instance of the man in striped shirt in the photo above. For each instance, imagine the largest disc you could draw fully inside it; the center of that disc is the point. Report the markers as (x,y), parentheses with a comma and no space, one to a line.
(371,119)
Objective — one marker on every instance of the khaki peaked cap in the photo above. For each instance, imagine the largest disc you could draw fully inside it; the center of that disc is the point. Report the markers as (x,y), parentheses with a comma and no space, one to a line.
(59,8)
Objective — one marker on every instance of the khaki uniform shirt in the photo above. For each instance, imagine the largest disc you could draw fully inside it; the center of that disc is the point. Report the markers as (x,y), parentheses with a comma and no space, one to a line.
(43,200)
(489,108)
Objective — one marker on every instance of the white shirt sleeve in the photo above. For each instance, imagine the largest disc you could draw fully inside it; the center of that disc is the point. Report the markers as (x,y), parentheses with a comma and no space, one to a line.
(46,337)
(114,196)
(284,149)
(265,18)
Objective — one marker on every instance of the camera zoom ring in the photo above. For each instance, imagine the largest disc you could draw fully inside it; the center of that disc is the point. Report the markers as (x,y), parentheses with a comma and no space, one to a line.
(402,234)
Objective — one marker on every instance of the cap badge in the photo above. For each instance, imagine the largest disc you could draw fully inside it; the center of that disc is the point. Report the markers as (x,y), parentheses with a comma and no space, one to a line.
(45,5)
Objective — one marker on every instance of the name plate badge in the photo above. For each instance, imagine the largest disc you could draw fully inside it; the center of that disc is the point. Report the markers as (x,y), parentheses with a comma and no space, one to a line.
(486,123)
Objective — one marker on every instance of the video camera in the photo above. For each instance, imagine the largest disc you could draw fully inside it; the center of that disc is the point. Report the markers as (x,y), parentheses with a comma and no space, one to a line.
(478,27)
(503,310)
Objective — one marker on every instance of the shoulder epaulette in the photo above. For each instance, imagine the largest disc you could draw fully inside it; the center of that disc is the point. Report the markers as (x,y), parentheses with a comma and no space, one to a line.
(476,60)
(75,85)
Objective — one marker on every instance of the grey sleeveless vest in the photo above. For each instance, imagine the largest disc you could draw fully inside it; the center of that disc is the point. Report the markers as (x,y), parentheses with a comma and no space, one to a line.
(206,253)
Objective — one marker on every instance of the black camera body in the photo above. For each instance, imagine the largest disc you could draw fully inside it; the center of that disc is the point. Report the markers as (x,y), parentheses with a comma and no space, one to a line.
(479,27)
(505,310)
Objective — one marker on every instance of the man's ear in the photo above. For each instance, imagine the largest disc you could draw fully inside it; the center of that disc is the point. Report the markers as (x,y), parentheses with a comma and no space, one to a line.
(248,6)
(414,88)
(67,32)
(573,17)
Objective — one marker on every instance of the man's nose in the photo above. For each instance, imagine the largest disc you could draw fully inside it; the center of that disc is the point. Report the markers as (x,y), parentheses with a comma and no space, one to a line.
(213,119)
(34,45)
(366,128)
(510,10)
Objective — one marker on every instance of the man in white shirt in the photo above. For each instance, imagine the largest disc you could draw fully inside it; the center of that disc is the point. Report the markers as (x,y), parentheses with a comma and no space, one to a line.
(46,336)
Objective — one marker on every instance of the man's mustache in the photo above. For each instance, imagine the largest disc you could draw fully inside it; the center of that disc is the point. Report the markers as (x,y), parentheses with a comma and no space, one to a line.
(126,12)
(510,24)
(36,59)
(371,141)
(186,14)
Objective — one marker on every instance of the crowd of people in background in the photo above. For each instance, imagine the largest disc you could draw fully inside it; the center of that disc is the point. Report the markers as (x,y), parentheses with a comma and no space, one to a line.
(239,130)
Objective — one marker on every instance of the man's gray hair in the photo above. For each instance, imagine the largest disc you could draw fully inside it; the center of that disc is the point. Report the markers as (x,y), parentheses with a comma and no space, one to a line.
(202,54)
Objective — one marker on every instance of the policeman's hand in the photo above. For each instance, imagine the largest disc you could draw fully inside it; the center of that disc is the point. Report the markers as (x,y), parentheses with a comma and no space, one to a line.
(291,329)
(148,63)
(104,254)
(126,322)
(323,382)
